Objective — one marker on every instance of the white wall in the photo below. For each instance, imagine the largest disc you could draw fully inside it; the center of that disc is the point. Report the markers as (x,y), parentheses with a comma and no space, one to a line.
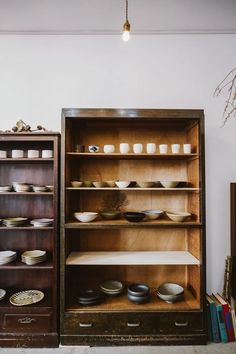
(41,74)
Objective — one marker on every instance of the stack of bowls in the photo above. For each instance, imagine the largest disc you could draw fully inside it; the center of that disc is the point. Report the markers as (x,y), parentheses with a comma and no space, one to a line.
(112,287)
(21,187)
(45,222)
(90,297)
(7,257)
(139,293)
(33,257)
(39,188)
(170,292)
(14,222)
(5,189)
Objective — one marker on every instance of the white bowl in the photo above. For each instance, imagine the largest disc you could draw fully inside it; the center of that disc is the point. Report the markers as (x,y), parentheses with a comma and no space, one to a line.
(47,154)
(169,184)
(122,184)
(85,216)
(178,216)
(17,154)
(153,214)
(33,154)
(109,149)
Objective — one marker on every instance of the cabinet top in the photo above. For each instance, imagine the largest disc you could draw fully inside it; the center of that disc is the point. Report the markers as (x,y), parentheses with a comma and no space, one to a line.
(133,113)
(29,134)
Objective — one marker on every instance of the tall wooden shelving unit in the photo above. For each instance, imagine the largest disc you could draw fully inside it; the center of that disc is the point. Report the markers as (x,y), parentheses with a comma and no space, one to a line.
(34,325)
(152,252)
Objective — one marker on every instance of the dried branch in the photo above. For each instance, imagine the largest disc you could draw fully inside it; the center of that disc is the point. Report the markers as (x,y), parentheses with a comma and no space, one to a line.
(114,201)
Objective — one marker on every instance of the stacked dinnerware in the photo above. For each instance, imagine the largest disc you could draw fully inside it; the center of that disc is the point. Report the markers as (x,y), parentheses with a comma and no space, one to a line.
(33,257)
(2,294)
(21,187)
(45,222)
(90,297)
(37,188)
(7,257)
(139,293)
(112,287)
(14,222)
(5,189)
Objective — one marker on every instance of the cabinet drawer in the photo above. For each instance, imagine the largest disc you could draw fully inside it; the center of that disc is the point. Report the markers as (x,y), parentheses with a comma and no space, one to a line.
(181,322)
(27,322)
(87,324)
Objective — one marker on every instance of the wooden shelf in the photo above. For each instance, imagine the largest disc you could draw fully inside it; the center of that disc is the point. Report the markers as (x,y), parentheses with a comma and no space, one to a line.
(132,258)
(133,189)
(27,193)
(131,156)
(20,265)
(101,224)
(26,228)
(121,303)
(26,160)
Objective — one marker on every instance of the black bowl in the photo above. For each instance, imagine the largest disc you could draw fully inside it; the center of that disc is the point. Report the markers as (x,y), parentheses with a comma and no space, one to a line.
(139,299)
(133,216)
(139,290)
(89,296)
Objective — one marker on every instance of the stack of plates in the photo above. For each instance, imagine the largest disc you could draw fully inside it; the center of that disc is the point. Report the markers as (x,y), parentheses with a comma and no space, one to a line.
(41,222)
(7,257)
(90,297)
(112,287)
(2,294)
(14,222)
(33,257)
(5,189)
(21,187)
(27,297)
(39,188)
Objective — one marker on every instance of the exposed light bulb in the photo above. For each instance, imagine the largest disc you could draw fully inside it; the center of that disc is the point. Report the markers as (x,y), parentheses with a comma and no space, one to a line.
(126,26)
(126,36)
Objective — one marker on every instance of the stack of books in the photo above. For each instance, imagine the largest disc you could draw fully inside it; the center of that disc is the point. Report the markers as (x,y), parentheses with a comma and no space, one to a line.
(221,319)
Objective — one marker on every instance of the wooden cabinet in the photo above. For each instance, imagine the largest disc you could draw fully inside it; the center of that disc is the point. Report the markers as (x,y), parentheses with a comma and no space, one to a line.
(233,234)
(33,325)
(151,252)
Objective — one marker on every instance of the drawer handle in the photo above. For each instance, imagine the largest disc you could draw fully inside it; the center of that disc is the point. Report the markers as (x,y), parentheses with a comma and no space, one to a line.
(181,324)
(26,320)
(86,325)
(133,324)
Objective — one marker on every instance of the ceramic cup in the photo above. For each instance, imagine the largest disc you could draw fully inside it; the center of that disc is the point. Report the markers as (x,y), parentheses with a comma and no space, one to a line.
(47,154)
(33,153)
(151,148)
(124,148)
(175,148)
(93,148)
(3,154)
(187,148)
(138,148)
(163,148)
(17,154)
(109,149)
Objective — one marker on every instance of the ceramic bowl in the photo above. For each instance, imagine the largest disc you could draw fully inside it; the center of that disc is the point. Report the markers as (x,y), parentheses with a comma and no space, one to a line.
(142,184)
(109,149)
(139,299)
(134,216)
(87,184)
(169,184)
(85,216)
(99,184)
(178,216)
(5,189)
(22,188)
(39,189)
(139,290)
(122,184)
(111,184)
(170,292)
(110,214)
(50,188)
(153,214)
(76,184)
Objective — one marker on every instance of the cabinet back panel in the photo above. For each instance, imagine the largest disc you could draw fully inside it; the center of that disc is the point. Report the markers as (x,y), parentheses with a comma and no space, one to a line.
(26,240)
(25,279)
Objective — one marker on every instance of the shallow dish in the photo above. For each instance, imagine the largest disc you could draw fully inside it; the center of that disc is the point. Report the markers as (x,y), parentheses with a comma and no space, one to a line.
(39,188)
(153,214)
(169,184)
(170,292)
(27,297)
(89,295)
(139,290)
(85,216)
(34,253)
(112,286)
(99,184)
(178,216)
(76,184)
(134,216)
(142,184)
(110,214)
(122,184)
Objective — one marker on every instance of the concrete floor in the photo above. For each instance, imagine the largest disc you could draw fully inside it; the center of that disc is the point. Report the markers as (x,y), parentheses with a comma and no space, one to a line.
(228,348)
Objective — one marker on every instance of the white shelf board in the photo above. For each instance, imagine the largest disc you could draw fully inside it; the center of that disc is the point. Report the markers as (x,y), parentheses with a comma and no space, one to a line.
(132,258)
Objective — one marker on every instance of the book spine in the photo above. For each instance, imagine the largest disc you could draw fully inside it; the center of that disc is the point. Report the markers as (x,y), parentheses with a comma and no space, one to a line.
(214,324)
(221,322)
(233,321)
(228,322)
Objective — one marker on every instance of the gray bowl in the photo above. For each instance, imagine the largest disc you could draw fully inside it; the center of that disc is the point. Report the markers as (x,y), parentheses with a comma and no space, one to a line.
(170,292)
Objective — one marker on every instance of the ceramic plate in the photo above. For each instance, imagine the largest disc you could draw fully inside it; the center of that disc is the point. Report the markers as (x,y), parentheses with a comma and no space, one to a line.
(27,297)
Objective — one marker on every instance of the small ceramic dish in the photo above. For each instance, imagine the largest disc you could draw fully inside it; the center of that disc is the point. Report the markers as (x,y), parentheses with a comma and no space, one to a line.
(21,188)
(5,189)
(110,214)
(122,184)
(50,188)
(39,188)
(139,299)
(27,297)
(170,292)
(87,184)
(169,184)
(112,287)
(76,184)
(153,214)
(139,290)
(142,184)
(111,184)
(178,216)
(85,216)
(134,216)
(99,184)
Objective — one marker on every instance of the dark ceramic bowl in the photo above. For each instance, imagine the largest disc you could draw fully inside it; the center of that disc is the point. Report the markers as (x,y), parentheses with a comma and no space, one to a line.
(134,216)
(139,290)
(139,299)
(89,295)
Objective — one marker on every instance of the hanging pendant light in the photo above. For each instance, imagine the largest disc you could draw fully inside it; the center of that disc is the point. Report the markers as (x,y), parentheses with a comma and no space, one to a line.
(126,26)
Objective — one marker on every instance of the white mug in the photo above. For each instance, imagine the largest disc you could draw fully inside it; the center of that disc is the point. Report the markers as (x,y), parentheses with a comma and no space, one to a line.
(151,148)
(175,148)
(187,148)
(109,149)
(3,154)
(33,153)
(124,148)
(17,154)
(138,148)
(163,148)
(47,154)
